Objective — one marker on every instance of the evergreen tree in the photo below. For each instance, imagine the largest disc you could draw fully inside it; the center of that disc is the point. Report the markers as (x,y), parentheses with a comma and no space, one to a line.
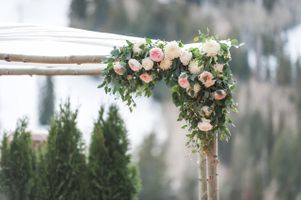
(97,156)
(41,182)
(152,168)
(65,161)
(18,164)
(4,173)
(112,177)
(46,104)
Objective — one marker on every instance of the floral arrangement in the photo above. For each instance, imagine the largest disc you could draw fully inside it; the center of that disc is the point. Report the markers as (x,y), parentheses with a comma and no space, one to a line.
(200,80)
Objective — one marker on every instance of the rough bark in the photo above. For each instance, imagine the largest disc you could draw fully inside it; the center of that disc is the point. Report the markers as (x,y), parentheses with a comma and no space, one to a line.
(212,163)
(203,194)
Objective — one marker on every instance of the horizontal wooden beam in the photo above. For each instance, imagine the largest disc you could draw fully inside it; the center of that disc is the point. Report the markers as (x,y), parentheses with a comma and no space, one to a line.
(52,59)
(53,71)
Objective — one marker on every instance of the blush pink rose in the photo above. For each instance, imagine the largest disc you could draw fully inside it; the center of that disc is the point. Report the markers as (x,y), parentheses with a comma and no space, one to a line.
(183,81)
(219,95)
(134,65)
(205,125)
(146,78)
(156,54)
(207,79)
(118,68)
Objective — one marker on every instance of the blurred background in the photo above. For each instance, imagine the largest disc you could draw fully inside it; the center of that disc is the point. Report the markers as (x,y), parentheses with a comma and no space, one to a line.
(263,158)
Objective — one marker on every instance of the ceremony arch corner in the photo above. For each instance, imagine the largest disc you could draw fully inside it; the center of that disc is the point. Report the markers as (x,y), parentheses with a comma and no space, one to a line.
(198,75)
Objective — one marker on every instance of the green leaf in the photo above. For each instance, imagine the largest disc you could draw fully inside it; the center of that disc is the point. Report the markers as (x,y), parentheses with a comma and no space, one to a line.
(148,40)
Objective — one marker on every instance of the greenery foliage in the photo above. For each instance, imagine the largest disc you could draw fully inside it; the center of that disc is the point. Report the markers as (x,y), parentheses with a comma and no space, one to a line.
(59,171)
(189,101)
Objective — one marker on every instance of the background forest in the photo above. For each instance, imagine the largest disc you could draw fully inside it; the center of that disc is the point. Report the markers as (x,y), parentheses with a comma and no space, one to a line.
(263,158)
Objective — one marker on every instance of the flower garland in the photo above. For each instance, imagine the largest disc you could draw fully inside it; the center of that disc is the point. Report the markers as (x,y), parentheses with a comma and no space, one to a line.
(200,79)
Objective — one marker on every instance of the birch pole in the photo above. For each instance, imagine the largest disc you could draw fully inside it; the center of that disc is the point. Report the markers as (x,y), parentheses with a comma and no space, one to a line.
(75,59)
(212,163)
(203,194)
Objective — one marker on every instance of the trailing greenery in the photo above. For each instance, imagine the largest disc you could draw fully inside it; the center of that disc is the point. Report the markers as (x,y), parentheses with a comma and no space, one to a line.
(111,175)
(200,79)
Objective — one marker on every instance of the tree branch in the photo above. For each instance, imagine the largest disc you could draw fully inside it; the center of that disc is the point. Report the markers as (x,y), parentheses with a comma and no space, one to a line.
(52,59)
(53,71)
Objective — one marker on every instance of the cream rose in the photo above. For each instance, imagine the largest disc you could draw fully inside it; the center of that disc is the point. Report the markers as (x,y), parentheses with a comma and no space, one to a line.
(211,48)
(206,111)
(194,67)
(137,46)
(219,67)
(205,125)
(207,79)
(118,68)
(145,77)
(147,63)
(134,65)
(156,54)
(219,95)
(185,57)
(183,81)
(172,50)
(165,64)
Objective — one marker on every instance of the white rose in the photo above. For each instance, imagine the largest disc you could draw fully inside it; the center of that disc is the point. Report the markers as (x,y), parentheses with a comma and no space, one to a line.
(219,67)
(172,50)
(165,64)
(205,125)
(147,63)
(194,67)
(185,57)
(211,48)
(137,46)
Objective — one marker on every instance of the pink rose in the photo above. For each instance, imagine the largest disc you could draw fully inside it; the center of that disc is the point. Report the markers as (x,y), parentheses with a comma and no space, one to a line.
(219,95)
(156,54)
(118,68)
(183,81)
(207,79)
(134,65)
(145,77)
(205,125)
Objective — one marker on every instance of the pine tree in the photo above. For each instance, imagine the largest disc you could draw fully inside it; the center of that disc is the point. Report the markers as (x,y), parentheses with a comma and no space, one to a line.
(18,164)
(4,173)
(65,161)
(152,170)
(112,176)
(97,156)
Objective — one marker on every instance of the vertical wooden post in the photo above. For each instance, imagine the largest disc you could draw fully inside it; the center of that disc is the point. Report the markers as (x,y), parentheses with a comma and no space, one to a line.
(212,163)
(203,194)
